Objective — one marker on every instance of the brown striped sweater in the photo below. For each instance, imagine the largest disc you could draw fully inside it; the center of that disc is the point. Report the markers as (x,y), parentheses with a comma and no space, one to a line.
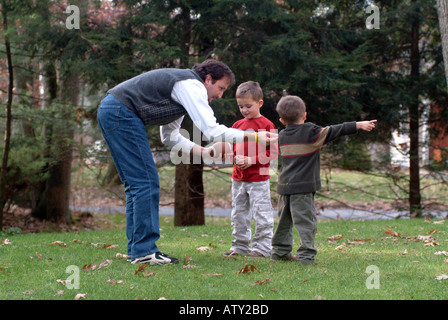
(300,146)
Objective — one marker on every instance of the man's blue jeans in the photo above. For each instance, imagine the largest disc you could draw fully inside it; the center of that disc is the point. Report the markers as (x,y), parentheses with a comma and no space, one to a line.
(126,137)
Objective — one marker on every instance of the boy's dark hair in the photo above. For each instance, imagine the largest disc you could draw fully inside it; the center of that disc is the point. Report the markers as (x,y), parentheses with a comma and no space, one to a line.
(216,69)
(291,109)
(251,88)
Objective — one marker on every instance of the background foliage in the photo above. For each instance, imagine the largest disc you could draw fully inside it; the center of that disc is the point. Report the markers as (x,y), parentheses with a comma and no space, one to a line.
(319,50)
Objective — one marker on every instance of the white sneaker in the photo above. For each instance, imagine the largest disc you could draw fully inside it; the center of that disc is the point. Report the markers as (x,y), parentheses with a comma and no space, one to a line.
(156,258)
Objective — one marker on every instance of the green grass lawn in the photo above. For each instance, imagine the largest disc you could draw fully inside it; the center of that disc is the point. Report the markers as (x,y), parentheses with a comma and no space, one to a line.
(404,263)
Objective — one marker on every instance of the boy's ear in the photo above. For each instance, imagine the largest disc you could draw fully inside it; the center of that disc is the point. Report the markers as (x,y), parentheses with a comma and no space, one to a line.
(260,102)
(304,116)
(282,121)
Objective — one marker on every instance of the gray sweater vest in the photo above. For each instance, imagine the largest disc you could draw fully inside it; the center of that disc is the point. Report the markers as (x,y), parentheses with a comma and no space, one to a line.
(149,95)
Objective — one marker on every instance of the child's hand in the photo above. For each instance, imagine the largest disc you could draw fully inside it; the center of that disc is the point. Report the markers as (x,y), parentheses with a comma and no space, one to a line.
(242,162)
(267,138)
(366,125)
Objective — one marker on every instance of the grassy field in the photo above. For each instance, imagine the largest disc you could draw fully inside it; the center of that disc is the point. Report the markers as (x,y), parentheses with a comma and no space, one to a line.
(357,260)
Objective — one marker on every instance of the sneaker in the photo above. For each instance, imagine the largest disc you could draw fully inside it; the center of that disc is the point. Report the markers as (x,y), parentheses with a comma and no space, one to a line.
(156,258)
(231,253)
(288,257)
(305,262)
(256,254)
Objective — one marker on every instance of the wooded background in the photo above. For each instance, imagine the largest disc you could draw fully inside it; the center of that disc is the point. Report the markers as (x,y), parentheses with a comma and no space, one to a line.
(53,76)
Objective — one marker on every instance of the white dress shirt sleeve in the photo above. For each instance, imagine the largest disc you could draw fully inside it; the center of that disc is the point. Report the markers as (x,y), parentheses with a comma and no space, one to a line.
(192,95)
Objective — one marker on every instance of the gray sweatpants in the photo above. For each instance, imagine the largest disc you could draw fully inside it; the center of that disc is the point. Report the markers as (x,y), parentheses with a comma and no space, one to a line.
(252,200)
(296,210)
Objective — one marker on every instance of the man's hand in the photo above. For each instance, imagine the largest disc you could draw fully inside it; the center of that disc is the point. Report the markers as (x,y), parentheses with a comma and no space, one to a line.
(366,125)
(218,150)
(267,138)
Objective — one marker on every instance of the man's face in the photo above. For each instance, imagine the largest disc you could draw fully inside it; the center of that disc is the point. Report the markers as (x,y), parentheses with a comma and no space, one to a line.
(215,90)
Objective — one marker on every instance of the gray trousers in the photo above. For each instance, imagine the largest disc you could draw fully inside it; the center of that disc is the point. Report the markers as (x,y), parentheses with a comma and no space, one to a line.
(296,210)
(252,200)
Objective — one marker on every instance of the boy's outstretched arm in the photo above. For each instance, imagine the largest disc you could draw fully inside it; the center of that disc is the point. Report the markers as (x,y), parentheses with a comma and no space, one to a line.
(365,125)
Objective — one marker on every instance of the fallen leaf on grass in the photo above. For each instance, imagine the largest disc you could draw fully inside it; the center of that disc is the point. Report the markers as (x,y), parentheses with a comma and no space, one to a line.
(262,282)
(341,248)
(439,222)
(392,233)
(202,249)
(427,240)
(247,268)
(212,274)
(438,253)
(442,277)
(335,237)
(99,245)
(6,241)
(141,269)
(63,282)
(80,296)
(109,246)
(187,264)
(430,242)
(89,267)
(38,255)
(363,240)
(58,293)
(355,242)
(113,281)
(59,243)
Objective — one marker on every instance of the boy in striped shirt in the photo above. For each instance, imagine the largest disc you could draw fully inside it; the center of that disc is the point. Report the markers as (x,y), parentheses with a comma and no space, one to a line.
(299,176)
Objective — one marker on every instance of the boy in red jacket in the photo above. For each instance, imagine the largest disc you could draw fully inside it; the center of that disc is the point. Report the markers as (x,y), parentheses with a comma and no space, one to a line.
(251,197)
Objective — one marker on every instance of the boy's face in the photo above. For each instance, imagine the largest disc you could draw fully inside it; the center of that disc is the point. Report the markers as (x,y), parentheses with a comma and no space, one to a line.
(249,108)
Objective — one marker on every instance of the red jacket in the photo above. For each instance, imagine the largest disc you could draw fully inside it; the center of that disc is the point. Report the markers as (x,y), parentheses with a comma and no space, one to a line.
(260,154)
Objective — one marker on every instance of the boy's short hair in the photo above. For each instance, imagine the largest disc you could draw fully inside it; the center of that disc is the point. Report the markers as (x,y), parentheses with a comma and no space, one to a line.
(249,88)
(291,109)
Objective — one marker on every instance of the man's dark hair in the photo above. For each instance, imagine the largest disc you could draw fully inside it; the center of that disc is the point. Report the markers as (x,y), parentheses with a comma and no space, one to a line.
(216,69)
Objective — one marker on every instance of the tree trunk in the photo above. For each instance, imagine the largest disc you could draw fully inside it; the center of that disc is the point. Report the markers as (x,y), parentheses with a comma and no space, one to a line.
(189,192)
(55,202)
(414,117)
(38,202)
(189,188)
(7,140)
(442,11)
(189,195)
(59,184)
